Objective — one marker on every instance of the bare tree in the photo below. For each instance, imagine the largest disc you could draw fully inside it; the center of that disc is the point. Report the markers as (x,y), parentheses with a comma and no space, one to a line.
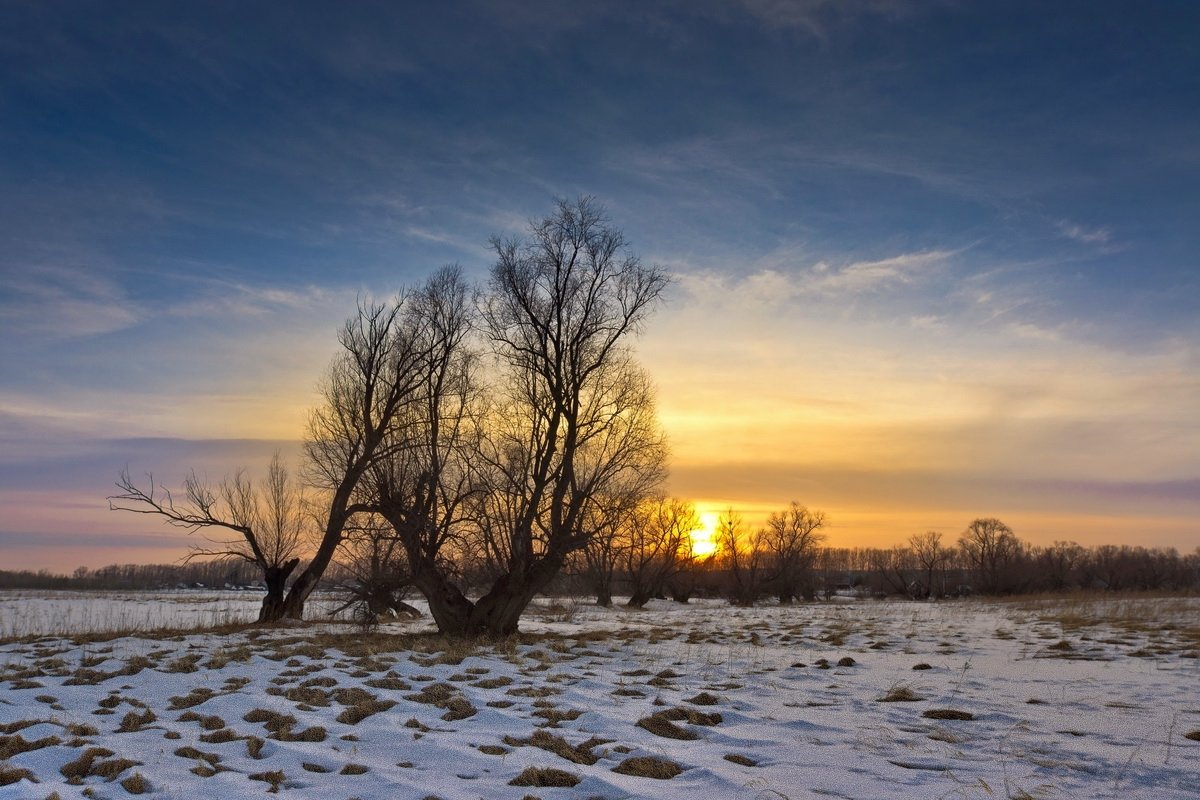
(991,549)
(578,428)
(743,557)
(792,537)
(931,558)
(655,545)
(269,522)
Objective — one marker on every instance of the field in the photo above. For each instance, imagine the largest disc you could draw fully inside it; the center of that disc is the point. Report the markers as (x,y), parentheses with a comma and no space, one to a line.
(1055,698)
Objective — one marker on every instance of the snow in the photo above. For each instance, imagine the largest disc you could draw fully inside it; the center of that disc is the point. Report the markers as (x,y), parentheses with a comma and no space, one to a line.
(1069,699)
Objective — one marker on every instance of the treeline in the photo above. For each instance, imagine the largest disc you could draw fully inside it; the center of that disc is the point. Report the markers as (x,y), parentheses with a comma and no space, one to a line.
(215,574)
(787,560)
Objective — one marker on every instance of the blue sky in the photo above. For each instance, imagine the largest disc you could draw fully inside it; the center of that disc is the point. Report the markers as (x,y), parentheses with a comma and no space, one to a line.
(933,260)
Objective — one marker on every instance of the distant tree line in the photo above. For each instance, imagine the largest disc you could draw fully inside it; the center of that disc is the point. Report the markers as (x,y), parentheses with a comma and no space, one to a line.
(786,560)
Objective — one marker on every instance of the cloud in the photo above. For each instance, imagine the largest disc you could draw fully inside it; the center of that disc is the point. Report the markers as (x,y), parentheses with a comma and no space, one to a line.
(64,302)
(1079,233)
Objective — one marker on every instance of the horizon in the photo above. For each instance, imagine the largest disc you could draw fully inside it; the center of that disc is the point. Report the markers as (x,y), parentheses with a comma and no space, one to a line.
(930,262)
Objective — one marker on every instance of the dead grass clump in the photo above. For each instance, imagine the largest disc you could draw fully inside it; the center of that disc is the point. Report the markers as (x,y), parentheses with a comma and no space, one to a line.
(357,713)
(545,777)
(649,767)
(703,699)
(534,691)
(745,761)
(922,666)
(109,770)
(900,693)
(209,722)
(553,716)
(492,683)
(193,753)
(188,663)
(846,661)
(220,736)
(354,769)
(314,734)
(579,754)
(134,721)
(948,713)
(390,681)
(272,720)
(254,747)
(309,695)
(352,696)
(447,697)
(19,725)
(136,784)
(1193,735)
(194,698)
(275,778)
(10,775)
(691,715)
(13,745)
(660,726)
(310,767)
(493,749)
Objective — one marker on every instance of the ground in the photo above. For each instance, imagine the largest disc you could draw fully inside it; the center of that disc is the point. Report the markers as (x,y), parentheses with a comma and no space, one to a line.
(1070,698)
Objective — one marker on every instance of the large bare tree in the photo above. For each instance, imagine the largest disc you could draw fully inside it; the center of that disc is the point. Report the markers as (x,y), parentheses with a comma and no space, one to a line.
(268,523)
(573,425)
(793,537)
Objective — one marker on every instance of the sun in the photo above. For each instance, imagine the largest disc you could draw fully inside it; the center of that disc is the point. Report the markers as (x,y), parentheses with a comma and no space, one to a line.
(704,540)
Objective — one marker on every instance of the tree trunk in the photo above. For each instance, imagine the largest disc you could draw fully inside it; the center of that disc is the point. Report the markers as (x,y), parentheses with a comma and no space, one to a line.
(604,596)
(495,614)
(639,598)
(275,578)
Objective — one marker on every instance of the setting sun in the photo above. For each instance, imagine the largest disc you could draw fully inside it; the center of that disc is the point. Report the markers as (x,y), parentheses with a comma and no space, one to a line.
(704,541)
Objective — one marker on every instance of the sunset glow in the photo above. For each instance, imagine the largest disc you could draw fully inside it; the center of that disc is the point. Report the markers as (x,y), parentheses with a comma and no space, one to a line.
(704,541)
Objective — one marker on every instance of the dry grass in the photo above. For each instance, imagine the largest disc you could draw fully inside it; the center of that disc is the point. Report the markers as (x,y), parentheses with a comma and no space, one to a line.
(900,693)
(275,778)
(134,721)
(649,767)
(354,769)
(1193,735)
(10,775)
(13,745)
(579,754)
(357,713)
(136,784)
(544,776)
(209,722)
(736,758)
(660,726)
(948,713)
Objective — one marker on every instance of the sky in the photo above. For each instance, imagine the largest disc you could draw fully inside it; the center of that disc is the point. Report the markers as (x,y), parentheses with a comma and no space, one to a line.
(930,261)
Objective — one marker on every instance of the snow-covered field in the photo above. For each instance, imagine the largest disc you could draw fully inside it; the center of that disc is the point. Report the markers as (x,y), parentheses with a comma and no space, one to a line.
(1058,698)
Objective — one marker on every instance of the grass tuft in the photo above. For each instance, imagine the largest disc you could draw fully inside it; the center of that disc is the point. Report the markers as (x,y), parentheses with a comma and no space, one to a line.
(948,713)
(544,776)
(649,767)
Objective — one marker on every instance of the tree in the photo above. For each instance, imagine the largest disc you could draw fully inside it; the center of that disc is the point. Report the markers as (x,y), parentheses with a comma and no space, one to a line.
(931,558)
(369,384)
(270,522)
(991,549)
(564,436)
(657,542)
(743,557)
(792,537)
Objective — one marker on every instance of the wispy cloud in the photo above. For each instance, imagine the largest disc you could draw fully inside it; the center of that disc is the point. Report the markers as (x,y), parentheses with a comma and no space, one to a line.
(65,302)
(1084,235)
